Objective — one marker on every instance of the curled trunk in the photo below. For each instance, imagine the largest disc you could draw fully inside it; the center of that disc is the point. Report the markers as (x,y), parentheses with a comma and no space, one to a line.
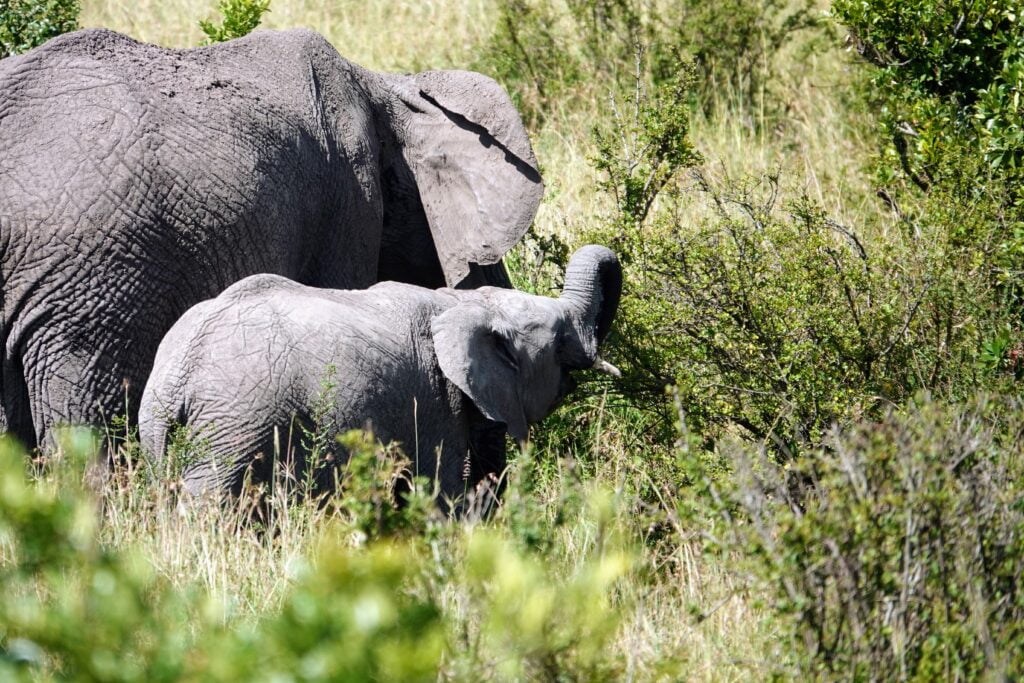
(593,285)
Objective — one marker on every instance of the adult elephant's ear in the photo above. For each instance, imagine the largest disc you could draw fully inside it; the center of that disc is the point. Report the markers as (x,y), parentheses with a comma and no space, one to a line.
(475,352)
(473,164)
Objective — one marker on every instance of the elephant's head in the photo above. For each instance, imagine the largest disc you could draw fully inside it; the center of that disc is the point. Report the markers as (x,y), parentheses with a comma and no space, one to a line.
(511,352)
(460,181)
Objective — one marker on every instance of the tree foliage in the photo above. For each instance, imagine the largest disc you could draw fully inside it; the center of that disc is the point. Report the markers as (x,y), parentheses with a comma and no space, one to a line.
(25,24)
(946,74)
(241,17)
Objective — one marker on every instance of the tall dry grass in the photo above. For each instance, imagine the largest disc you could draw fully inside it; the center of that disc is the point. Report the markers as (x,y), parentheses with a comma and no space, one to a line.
(682,614)
(396,36)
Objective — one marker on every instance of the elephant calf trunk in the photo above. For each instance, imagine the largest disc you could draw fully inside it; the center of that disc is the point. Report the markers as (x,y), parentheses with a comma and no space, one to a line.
(593,286)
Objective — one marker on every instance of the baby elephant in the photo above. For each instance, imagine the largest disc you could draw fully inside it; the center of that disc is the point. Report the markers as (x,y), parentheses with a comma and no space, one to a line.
(445,373)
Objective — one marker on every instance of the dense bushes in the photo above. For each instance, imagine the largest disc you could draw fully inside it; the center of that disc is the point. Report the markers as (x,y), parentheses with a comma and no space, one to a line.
(947,82)
(946,74)
(771,317)
(895,552)
(774,318)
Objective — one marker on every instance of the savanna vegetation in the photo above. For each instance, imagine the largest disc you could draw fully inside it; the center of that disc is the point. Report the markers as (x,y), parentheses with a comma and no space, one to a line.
(811,467)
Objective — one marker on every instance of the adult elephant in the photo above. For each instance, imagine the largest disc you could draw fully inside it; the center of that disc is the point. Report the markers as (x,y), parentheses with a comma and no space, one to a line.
(136,181)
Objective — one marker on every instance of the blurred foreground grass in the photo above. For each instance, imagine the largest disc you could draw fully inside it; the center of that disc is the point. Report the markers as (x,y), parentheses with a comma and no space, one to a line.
(122,584)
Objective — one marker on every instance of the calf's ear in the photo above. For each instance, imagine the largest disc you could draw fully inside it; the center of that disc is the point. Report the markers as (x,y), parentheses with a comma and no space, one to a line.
(476,353)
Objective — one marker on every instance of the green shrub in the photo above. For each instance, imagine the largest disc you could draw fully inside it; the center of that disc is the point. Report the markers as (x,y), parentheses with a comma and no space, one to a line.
(645,149)
(527,610)
(349,617)
(24,24)
(947,82)
(377,495)
(776,319)
(241,17)
(896,551)
(69,606)
(541,627)
(946,74)
(768,316)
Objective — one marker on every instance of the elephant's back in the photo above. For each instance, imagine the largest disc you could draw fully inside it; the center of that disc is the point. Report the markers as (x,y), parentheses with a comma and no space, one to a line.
(62,114)
(115,151)
(265,75)
(261,58)
(95,107)
(299,327)
(275,342)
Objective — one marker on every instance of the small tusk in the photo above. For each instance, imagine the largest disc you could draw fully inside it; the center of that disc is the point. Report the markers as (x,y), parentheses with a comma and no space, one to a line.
(604,366)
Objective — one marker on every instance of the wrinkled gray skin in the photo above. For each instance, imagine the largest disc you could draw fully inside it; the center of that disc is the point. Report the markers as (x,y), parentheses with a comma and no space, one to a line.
(445,370)
(136,181)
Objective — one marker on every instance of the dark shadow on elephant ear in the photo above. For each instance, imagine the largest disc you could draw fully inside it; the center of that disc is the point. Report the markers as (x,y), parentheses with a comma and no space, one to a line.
(474,167)
(470,348)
